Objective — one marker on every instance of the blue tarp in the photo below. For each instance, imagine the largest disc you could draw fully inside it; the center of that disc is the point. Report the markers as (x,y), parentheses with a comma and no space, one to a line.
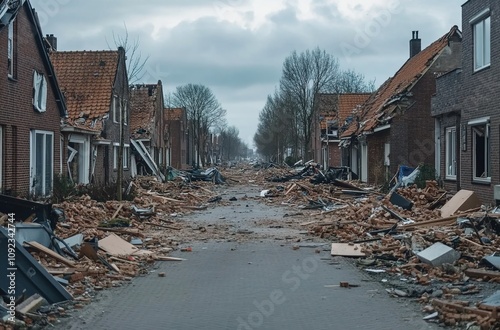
(404,171)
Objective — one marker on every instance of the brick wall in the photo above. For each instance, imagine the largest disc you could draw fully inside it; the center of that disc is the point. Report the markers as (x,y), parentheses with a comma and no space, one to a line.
(17,116)
(111,131)
(481,90)
(377,172)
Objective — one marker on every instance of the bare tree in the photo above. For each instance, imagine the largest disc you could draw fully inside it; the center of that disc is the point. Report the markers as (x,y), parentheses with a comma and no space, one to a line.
(304,75)
(135,62)
(203,111)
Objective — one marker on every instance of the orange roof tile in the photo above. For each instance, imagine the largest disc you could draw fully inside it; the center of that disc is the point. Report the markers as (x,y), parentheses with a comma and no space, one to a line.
(86,79)
(143,100)
(174,113)
(378,107)
(337,107)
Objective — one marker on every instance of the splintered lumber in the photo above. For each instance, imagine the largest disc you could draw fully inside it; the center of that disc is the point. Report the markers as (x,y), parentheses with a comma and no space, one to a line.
(130,231)
(482,273)
(49,252)
(433,222)
(347,250)
(165,258)
(461,309)
(116,212)
(160,225)
(290,189)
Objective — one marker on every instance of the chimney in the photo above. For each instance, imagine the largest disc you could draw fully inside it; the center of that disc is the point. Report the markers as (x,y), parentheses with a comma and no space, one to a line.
(52,41)
(415,44)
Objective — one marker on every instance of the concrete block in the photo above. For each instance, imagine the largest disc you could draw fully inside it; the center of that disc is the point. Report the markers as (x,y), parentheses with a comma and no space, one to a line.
(438,254)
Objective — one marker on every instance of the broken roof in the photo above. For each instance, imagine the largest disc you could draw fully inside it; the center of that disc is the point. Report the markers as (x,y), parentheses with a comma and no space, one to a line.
(337,107)
(86,79)
(381,104)
(174,113)
(143,102)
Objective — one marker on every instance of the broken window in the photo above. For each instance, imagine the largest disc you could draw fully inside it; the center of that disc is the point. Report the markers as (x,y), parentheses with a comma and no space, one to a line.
(481,30)
(451,153)
(39,91)
(481,152)
(42,162)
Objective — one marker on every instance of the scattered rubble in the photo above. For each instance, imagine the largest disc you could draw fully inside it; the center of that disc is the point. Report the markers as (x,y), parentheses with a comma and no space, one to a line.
(438,248)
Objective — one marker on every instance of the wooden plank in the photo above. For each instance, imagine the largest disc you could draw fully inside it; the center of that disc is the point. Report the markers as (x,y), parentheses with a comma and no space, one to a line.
(116,246)
(462,200)
(160,225)
(49,252)
(164,258)
(347,250)
(480,273)
(116,212)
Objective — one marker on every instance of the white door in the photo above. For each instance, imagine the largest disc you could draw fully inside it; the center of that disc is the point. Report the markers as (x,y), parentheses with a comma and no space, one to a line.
(41,162)
(79,158)
(354,160)
(437,146)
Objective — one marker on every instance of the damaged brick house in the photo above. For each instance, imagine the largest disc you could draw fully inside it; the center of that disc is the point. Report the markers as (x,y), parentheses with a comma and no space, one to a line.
(465,107)
(95,88)
(176,130)
(394,126)
(31,106)
(147,122)
(332,110)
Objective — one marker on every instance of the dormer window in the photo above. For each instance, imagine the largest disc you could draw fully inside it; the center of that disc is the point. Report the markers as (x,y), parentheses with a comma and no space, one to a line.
(39,92)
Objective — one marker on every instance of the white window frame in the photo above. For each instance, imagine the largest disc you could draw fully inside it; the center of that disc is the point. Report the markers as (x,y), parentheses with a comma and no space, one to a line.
(114,108)
(84,157)
(10,50)
(481,31)
(451,153)
(126,156)
(486,176)
(45,190)
(39,91)
(115,155)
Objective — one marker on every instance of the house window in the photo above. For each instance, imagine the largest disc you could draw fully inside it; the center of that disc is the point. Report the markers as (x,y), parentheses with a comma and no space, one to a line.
(114,109)
(481,30)
(125,114)
(115,155)
(10,50)
(481,154)
(125,158)
(39,91)
(451,153)
(126,151)
(41,162)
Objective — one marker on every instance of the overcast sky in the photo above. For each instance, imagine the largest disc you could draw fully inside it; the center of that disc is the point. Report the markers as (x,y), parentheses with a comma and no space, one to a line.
(237,47)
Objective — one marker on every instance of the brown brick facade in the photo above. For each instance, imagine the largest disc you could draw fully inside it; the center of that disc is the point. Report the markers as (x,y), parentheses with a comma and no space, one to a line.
(18,118)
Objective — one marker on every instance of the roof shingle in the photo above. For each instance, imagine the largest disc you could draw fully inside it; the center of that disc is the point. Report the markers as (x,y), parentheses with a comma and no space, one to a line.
(86,79)
(379,105)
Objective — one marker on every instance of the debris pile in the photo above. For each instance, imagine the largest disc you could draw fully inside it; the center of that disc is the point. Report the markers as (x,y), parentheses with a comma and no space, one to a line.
(96,245)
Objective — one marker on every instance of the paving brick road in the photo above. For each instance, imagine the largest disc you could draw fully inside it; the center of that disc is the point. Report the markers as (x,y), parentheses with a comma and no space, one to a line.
(253,285)
(250,281)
